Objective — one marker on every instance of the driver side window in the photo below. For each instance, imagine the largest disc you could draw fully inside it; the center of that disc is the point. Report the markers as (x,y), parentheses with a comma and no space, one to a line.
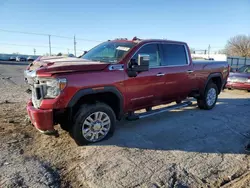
(153,51)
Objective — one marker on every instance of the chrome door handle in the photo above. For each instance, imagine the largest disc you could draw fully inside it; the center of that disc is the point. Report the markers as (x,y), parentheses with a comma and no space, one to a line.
(190,71)
(160,74)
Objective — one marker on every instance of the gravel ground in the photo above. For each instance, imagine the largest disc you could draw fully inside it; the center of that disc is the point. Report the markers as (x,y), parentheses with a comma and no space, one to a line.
(182,148)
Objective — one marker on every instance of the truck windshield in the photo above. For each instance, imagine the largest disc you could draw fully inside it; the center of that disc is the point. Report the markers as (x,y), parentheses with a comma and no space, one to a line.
(110,52)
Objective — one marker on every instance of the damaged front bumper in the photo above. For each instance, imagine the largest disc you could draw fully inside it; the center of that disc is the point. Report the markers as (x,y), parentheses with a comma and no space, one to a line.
(41,119)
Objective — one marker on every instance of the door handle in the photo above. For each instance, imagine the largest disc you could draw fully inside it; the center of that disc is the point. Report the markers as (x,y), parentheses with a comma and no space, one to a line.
(190,71)
(160,74)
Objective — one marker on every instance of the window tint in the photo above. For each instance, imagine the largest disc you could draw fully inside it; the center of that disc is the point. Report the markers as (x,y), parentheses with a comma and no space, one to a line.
(152,51)
(174,54)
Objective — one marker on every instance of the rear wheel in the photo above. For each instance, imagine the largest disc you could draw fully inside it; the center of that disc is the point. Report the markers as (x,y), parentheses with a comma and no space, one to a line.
(93,123)
(209,99)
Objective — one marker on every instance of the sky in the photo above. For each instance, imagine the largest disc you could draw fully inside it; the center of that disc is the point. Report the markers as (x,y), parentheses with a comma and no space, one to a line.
(197,22)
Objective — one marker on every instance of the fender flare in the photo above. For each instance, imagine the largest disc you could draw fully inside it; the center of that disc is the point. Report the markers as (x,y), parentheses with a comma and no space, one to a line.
(213,75)
(88,91)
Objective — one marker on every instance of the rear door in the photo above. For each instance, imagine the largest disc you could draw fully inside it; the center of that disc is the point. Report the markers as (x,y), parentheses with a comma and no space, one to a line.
(178,70)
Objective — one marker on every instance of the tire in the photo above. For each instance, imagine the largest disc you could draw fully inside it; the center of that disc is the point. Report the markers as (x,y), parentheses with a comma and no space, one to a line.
(97,119)
(65,126)
(210,97)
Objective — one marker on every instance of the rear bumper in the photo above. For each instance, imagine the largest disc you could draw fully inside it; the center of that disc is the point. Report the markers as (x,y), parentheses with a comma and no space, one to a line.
(41,119)
(243,86)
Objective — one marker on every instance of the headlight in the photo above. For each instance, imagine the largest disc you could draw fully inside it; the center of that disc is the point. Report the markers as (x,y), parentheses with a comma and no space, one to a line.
(53,87)
(248,81)
(229,79)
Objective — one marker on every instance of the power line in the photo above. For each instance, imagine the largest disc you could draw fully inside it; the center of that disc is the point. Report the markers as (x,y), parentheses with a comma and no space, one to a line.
(10,31)
(43,34)
(9,44)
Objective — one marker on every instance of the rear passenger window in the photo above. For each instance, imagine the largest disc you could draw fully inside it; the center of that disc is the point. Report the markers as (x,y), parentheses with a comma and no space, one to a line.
(152,51)
(174,55)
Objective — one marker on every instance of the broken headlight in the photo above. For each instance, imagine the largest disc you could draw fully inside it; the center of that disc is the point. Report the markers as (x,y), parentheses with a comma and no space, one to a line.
(52,87)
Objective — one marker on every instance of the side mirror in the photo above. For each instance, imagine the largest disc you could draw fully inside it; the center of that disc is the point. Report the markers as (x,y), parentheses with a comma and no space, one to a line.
(141,65)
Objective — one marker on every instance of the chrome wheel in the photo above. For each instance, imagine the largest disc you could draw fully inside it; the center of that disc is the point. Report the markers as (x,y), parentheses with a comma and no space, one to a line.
(211,96)
(96,126)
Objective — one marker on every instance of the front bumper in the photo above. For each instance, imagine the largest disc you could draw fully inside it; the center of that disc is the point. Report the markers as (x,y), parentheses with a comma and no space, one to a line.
(41,119)
(236,85)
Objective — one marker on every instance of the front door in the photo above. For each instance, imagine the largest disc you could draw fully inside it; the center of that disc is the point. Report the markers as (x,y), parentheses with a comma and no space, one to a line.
(142,90)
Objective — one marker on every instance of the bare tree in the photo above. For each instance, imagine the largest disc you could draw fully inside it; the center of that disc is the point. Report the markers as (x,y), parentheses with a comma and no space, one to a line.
(238,46)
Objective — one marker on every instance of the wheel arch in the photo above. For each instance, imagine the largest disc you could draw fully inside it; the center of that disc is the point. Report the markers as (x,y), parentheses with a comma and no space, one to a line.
(217,79)
(108,94)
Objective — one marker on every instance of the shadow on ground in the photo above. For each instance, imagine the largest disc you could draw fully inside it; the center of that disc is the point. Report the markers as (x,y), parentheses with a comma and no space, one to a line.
(223,129)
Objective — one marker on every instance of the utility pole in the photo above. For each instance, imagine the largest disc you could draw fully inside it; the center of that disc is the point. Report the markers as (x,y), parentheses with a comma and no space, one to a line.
(49,46)
(75,44)
(34,51)
(208,50)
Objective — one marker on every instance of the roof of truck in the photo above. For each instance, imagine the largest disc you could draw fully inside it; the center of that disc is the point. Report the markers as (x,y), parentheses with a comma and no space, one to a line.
(137,40)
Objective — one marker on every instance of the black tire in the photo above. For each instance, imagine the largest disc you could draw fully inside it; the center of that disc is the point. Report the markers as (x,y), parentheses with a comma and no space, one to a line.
(83,113)
(202,102)
(65,126)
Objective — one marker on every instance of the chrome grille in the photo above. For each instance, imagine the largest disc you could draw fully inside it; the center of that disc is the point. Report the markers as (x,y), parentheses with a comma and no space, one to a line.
(36,102)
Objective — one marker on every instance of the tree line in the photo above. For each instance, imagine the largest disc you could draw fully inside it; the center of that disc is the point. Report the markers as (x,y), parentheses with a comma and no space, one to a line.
(238,45)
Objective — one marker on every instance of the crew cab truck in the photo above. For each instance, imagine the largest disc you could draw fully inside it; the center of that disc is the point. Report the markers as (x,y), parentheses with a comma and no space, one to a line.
(87,95)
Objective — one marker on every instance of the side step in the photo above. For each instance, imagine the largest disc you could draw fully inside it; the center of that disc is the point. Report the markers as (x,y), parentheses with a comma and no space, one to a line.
(158,111)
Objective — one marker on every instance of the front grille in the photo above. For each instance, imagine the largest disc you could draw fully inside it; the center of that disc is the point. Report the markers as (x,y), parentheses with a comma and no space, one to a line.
(36,96)
(35,102)
(238,79)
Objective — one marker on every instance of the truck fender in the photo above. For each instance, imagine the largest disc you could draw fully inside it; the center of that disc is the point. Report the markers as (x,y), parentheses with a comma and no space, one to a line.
(212,75)
(88,91)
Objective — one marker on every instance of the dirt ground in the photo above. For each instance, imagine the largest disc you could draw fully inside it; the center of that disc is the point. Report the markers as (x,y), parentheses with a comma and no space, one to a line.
(182,148)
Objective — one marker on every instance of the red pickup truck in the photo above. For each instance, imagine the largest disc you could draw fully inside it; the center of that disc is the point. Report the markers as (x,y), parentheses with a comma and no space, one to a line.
(87,95)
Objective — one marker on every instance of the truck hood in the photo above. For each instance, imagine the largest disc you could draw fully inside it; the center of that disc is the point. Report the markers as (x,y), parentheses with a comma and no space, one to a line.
(53,65)
(242,75)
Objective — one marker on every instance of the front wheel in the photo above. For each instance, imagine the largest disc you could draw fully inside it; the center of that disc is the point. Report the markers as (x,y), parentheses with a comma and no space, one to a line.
(93,123)
(210,97)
